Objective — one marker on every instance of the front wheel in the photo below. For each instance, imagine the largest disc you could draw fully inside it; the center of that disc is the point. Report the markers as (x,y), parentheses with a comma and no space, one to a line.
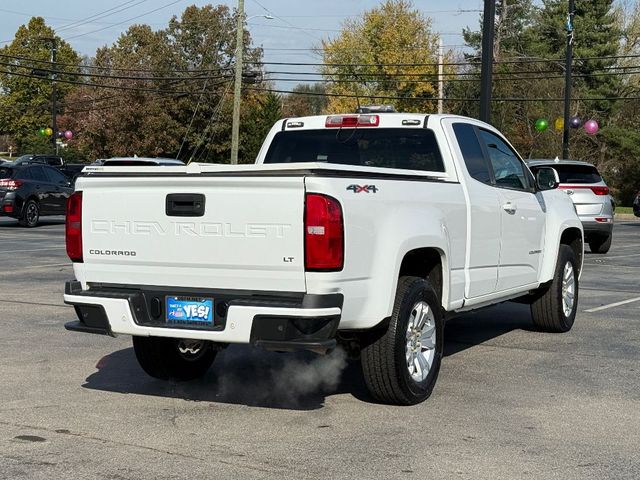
(174,358)
(554,309)
(401,364)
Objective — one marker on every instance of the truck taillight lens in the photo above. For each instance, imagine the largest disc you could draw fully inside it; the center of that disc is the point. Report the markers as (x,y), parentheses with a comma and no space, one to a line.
(73,227)
(323,234)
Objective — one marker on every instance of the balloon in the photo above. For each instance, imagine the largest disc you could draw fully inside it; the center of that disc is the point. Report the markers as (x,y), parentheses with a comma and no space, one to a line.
(541,124)
(559,124)
(48,132)
(68,134)
(42,131)
(59,134)
(591,127)
(575,122)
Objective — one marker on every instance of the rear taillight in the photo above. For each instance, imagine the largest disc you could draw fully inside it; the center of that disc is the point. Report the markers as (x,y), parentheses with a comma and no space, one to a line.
(596,190)
(11,184)
(323,234)
(73,227)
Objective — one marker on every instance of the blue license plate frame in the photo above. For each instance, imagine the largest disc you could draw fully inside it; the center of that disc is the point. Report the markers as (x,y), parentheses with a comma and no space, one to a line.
(189,311)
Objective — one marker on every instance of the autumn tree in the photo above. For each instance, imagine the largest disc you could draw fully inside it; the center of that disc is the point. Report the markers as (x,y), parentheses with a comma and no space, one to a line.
(390,52)
(306,99)
(25,99)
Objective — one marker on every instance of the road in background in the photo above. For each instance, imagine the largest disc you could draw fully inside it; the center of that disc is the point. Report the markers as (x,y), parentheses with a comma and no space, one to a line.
(510,402)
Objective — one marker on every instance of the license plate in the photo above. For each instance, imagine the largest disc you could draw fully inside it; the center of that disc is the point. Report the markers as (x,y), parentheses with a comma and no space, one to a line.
(189,311)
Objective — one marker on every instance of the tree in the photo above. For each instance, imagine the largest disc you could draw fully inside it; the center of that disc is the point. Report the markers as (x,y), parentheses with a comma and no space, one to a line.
(170,94)
(25,104)
(264,112)
(390,52)
(307,99)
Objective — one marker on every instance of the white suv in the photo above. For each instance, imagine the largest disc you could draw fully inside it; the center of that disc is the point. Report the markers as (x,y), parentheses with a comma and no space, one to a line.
(584,185)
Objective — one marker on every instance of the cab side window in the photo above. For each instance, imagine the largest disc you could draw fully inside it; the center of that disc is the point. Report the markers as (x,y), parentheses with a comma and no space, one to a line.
(508,170)
(472,152)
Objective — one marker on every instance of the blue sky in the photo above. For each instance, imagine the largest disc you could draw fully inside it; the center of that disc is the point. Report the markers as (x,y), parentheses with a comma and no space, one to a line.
(299,24)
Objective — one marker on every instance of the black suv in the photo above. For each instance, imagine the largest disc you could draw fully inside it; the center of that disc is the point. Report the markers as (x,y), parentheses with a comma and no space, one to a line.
(30,191)
(52,160)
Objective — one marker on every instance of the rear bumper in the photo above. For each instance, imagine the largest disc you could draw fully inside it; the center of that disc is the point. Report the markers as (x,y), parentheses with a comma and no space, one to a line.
(274,322)
(592,227)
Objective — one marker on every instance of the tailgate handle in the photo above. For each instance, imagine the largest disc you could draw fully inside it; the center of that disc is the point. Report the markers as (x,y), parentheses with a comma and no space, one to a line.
(185,205)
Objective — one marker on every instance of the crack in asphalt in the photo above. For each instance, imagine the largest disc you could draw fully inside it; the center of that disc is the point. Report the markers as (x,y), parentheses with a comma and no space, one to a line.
(207,460)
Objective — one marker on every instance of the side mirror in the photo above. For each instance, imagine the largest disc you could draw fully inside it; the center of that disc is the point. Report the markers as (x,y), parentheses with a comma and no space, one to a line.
(547,178)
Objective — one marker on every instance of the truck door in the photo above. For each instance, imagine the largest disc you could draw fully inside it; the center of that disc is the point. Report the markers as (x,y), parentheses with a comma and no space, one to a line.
(483,215)
(522,214)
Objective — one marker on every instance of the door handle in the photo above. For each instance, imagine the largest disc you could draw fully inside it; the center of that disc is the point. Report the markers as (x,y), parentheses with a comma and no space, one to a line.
(510,208)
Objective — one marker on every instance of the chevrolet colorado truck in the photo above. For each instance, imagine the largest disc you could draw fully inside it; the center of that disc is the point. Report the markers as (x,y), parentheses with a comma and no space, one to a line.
(360,230)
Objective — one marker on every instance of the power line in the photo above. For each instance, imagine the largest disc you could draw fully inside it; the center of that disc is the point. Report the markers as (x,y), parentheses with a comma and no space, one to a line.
(103,14)
(124,21)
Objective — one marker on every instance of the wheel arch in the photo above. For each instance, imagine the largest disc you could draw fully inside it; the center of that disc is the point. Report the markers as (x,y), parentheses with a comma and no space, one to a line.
(429,263)
(573,238)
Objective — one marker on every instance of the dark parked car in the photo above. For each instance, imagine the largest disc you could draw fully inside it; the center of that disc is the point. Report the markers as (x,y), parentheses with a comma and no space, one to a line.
(636,204)
(70,170)
(30,191)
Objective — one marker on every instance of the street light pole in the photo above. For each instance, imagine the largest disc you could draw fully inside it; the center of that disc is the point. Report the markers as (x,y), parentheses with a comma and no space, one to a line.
(567,80)
(54,99)
(486,73)
(237,87)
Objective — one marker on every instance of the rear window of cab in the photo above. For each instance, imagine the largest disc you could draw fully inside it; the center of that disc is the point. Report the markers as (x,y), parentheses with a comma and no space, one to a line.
(401,148)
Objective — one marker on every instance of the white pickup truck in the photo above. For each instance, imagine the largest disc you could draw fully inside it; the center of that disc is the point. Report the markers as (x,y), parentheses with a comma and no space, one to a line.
(360,230)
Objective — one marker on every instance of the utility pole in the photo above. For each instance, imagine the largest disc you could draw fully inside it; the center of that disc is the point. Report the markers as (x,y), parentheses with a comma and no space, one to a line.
(440,76)
(567,80)
(54,127)
(488,27)
(237,90)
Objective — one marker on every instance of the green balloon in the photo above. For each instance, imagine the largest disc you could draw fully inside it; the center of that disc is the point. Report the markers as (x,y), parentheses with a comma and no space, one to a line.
(42,131)
(542,124)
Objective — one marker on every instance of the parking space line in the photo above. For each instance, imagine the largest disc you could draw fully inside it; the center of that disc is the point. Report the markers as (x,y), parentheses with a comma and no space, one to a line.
(48,265)
(616,256)
(32,250)
(611,305)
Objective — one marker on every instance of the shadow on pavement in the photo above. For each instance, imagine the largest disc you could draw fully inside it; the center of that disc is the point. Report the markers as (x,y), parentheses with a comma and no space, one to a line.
(477,327)
(297,381)
(10,223)
(242,375)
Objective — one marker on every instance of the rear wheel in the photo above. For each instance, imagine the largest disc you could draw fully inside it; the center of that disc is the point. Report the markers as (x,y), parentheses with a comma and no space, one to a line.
(601,244)
(174,358)
(30,214)
(554,309)
(401,364)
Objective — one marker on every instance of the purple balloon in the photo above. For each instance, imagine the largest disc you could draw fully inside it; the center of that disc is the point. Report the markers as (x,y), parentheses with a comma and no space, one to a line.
(68,134)
(575,122)
(591,127)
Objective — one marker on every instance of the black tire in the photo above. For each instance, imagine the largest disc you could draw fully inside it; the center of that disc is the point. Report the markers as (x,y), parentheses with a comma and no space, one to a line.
(30,214)
(161,358)
(601,244)
(547,309)
(383,356)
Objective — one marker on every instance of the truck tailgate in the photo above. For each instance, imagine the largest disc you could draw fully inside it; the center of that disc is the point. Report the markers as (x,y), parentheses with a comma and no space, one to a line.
(249,236)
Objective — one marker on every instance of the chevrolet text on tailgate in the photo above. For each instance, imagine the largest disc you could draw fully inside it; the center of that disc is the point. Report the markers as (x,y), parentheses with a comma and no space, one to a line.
(364,231)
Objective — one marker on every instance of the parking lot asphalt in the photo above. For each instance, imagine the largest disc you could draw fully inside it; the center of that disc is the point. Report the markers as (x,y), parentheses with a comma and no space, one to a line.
(510,402)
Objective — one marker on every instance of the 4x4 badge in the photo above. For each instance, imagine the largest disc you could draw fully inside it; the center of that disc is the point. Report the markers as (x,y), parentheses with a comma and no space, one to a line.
(363,188)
